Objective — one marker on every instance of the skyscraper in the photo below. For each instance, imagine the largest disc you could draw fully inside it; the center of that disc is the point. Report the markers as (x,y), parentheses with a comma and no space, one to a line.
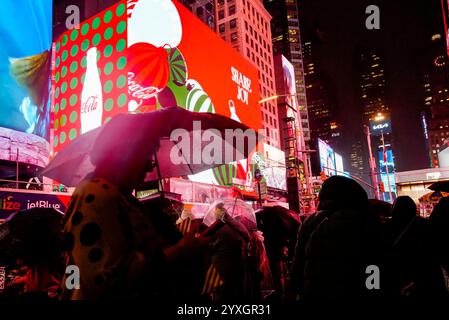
(287,41)
(320,100)
(436,96)
(371,67)
(245,24)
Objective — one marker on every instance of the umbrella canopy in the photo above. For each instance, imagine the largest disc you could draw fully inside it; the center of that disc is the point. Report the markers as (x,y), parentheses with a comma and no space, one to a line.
(237,209)
(433,197)
(33,234)
(129,134)
(442,186)
(278,223)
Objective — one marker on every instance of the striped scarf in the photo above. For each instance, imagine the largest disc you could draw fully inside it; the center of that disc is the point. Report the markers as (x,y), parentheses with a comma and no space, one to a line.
(213,279)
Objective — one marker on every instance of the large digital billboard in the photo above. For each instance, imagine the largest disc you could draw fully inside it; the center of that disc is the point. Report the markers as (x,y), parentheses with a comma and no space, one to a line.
(138,56)
(89,82)
(386,163)
(327,158)
(443,156)
(339,165)
(25,30)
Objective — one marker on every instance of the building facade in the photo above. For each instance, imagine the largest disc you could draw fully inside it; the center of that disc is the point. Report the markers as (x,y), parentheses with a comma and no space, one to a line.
(436,97)
(286,39)
(245,24)
(203,9)
(321,102)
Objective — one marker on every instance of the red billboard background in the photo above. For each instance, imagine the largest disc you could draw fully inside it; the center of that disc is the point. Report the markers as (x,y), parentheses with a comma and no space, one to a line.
(107,32)
(201,72)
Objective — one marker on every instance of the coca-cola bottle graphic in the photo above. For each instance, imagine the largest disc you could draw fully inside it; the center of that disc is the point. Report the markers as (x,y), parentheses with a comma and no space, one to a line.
(234,115)
(91,95)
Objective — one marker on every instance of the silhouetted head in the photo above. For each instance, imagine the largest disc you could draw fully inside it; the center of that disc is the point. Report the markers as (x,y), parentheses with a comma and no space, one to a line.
(339,192)
(439,219)
(404,208)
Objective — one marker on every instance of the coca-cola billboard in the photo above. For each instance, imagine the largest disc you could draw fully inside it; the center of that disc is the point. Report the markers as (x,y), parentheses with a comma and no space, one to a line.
(89,81)
(149,55)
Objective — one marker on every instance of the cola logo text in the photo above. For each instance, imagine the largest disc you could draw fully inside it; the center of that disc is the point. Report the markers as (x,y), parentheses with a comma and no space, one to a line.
(90,104)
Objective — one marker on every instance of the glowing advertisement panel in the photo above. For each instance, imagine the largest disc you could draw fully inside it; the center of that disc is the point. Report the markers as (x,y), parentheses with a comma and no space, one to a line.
(139,56)
(89,81)
(339,165)
(174,58)
(327,158)
(193,68)
(377,127)
(443,157)
(25,81)
(385,160)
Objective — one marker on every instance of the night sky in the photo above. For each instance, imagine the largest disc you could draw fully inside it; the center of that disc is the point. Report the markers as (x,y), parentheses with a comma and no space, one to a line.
(405,30)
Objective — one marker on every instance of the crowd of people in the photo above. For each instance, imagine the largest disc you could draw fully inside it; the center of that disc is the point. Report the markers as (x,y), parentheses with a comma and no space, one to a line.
(125,249)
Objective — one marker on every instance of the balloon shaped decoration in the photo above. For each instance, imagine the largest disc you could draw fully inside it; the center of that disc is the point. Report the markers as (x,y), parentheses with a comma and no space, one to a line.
(154,21)
(224,174)
(178,67)
(148,65)
(197,99)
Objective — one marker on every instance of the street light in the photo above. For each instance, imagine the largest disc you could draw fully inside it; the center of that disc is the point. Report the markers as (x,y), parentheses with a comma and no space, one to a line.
(282,96)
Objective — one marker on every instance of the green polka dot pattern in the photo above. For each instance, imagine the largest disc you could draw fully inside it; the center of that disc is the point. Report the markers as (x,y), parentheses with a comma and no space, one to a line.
(107,32)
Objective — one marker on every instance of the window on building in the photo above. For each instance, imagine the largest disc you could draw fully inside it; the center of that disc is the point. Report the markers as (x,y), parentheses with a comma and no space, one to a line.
(248,54)
(251,30)
(232,10)
(221,28)
(221,14)
(246,25)
(246,38)
(221,2)
(234,36)
(233,23)
(252,43)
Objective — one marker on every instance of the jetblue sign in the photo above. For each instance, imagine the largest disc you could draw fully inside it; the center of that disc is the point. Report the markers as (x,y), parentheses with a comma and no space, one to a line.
(377,127)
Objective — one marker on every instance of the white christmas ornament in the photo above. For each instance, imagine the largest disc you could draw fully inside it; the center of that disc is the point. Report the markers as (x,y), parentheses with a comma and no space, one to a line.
(156,22)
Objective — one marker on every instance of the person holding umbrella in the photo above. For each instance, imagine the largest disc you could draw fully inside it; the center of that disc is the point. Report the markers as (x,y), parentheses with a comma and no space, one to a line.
(117,250)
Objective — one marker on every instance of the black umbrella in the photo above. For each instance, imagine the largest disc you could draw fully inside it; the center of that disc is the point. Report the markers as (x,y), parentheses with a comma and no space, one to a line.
(33,235)
(442,186)
(279,226)
(128,134)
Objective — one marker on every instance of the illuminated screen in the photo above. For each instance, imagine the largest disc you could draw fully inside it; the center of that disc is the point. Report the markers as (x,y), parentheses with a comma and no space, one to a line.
(378,127)
(25,80)
(443,157)
(145,55)
(339,165)
(89,75)
(327,158)
(385,160)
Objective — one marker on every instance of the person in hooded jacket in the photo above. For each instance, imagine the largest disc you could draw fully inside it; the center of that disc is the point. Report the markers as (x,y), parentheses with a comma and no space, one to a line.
(337,244)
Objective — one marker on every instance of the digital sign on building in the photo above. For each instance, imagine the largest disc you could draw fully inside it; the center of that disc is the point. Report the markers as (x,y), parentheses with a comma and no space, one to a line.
(377,127)
(25,81)
(339,165)
(386,159)
(327,158)
(139,56)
